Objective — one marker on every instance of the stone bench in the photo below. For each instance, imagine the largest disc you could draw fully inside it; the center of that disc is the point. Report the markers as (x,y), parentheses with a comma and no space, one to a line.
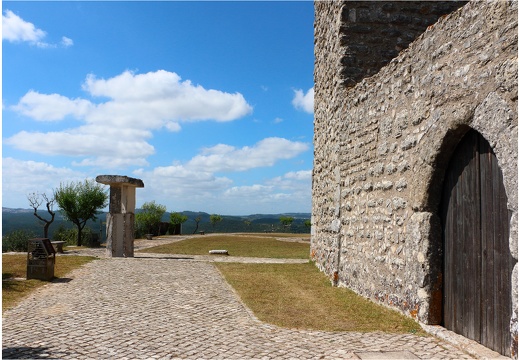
(218,252)
(58,245)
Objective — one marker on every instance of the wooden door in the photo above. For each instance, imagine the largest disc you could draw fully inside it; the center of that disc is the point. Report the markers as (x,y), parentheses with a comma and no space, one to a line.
(477,260)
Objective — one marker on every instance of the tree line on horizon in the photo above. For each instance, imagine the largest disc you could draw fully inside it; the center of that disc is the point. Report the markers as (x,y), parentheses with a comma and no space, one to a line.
(79,204)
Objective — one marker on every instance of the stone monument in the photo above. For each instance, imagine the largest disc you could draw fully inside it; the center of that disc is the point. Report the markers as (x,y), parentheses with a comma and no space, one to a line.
(121,216)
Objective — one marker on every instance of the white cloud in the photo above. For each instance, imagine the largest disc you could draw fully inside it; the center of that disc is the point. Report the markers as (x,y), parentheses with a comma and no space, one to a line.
(97,148)
(176,186)
(164,96)
(52,107)
(294,181)
(227,158)
(304,175)
(66,42)
(195,183)
(23,177)
(178,180)
(260,195)
(15,29)
(247,191)
(180,189)
(172,126)
(119,127)
(264,153)
(303,101)
(290,192)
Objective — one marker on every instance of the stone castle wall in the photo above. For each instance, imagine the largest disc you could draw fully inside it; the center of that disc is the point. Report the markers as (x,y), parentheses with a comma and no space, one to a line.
(372,33)
(382,143)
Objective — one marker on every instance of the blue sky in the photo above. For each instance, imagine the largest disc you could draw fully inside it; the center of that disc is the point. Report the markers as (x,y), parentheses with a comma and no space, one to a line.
(209,103)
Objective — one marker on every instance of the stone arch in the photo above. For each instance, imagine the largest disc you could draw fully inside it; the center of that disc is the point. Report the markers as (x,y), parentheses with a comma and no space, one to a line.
(477,262)
(493,119)
(430,204)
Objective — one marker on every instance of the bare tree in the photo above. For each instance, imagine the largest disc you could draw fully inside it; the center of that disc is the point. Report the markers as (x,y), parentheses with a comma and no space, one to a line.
(197,221)
(36,200)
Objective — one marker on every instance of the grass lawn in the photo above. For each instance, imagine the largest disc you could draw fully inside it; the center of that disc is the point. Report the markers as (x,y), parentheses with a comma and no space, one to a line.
(281,235)
(15,266)
(300,296)
(243,245)
(294,296)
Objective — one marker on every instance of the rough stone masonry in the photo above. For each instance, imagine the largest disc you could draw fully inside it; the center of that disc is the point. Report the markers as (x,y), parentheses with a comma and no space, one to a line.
(395,91)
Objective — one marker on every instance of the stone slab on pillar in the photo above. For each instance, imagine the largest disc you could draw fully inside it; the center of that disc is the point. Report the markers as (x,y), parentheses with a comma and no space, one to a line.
(120,219)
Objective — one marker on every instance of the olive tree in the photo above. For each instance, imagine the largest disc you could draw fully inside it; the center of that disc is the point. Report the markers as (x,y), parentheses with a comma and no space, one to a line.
(286,221)
(248,224)
(80,202)
(177,219)
(150,217)
(215,219)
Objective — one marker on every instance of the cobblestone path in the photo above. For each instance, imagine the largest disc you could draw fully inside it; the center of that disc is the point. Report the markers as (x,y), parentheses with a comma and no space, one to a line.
(160,308)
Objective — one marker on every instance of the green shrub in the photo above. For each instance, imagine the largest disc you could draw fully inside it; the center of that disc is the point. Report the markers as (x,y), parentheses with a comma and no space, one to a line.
(139,230)
(64,234)
(16,240)
(148,220)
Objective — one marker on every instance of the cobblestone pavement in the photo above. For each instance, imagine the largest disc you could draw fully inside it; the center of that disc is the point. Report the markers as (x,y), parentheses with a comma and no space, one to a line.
(158,307)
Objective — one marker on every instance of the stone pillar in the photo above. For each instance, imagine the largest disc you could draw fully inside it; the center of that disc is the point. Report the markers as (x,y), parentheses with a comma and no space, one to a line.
(120,219)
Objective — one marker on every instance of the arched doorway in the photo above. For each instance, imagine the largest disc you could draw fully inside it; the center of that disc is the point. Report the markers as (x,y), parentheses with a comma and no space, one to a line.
(477,260)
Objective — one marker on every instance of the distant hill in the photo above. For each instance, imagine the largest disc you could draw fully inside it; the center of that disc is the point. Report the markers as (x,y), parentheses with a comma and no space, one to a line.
(24,219)
(16,219)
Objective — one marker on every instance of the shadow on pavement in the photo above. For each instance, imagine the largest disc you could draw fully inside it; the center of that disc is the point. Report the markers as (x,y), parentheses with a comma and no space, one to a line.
(164,257)
(32,353)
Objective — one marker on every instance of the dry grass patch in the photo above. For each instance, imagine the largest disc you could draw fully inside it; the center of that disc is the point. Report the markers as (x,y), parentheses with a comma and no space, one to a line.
(14,268)
(300,296)
(236,245)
